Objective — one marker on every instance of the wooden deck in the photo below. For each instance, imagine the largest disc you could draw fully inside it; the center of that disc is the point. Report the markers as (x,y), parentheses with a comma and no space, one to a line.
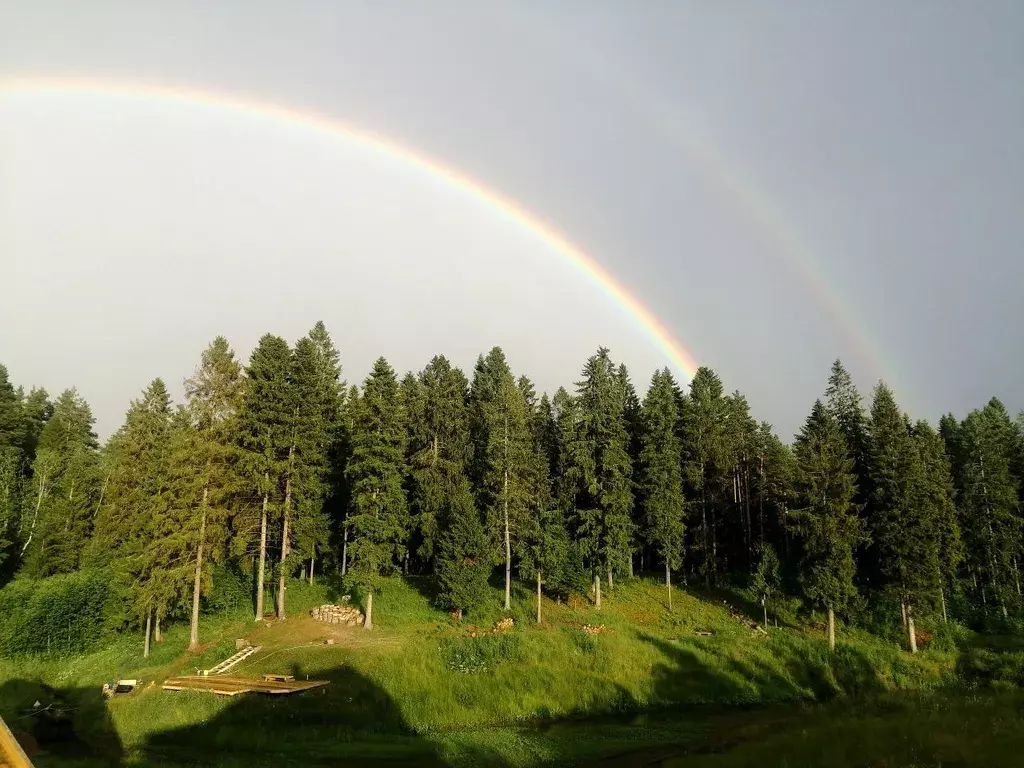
(226,685)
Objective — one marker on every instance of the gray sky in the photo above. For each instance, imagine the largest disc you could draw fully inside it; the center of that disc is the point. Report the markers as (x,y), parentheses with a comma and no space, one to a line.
(781,183)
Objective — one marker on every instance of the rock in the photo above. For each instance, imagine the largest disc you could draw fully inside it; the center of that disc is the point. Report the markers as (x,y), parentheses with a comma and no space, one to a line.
(241,643)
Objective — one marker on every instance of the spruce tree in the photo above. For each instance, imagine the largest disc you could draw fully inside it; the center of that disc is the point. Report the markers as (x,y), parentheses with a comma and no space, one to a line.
(440,449)
(316,395)
(990,517)
(379,516)
(58,520)
(599,468)
(827,521)
(767,579)
(266,430)
(661,474)
(901,515)
(705,462)
(208,463)
(462,546)
(940,496)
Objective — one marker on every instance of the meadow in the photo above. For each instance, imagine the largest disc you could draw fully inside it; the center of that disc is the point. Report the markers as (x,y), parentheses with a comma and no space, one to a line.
(630,681)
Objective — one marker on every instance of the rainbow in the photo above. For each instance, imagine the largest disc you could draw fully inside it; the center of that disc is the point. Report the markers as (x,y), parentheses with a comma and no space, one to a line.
(682,360)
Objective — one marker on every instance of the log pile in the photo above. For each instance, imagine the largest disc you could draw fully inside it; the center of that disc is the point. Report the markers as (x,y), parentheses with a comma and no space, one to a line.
(338,614)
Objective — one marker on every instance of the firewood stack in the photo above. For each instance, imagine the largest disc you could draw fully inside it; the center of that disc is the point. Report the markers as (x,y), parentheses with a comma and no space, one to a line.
(338,614)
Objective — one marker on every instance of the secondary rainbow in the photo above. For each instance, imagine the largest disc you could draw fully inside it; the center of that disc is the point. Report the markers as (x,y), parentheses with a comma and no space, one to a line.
(677,354)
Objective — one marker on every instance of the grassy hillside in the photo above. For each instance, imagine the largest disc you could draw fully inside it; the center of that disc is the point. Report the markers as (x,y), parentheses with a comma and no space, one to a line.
(421,688)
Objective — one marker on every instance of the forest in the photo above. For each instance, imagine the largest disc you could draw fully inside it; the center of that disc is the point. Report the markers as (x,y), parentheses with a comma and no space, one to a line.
(275,470)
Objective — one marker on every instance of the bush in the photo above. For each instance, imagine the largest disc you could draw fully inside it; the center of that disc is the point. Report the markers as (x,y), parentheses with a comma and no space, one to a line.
(232,590)
(469,655)
(59,615)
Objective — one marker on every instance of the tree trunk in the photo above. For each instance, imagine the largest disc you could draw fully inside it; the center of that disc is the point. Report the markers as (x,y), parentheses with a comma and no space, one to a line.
(903,613)
(764,606)
(368,623)
(631,565)
(156,630)
(831,629)
(668,584)
(145,642)
(910,629)
(261,570)
(312,563)
(302,570)
(508,550)
(1016,575)
(193,633)
(538,595)
(611,584)
(282,572)
(35,515)
(344,548)
(597,591)
(942,601)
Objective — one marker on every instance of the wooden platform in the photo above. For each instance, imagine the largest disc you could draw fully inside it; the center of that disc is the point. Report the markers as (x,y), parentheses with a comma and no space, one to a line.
(226,685)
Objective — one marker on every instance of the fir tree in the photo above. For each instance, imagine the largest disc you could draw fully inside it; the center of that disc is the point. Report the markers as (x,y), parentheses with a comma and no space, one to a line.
(661,474)
(463,549)
(379,517)
(825,489)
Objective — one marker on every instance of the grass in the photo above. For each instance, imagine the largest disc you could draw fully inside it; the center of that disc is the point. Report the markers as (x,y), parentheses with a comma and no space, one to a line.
(420,688)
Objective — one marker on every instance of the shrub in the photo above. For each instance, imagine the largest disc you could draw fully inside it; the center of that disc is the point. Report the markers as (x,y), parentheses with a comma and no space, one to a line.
(59,615)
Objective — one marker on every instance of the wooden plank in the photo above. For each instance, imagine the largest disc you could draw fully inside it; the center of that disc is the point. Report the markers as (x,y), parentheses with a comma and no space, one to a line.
(229,686)
(280,678)
(11,753)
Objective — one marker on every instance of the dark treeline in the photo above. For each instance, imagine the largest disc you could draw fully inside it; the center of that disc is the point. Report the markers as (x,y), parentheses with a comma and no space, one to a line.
(276,470)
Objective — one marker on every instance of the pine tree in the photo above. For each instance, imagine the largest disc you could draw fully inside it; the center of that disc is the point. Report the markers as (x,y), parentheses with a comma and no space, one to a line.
(830,528)
(57,524)
(740,438)
(661,474)
(379,517)
(266,428)
(598,465)
(844,405)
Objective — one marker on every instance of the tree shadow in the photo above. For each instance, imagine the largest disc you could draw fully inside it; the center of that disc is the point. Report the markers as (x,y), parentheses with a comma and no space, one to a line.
(351,721)
(64,723)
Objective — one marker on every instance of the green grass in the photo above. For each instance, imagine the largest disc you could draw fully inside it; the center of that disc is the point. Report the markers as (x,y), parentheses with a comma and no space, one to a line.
(420,688)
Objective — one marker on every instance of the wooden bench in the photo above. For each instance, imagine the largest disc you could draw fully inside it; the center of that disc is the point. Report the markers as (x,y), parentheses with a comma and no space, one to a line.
(279,678)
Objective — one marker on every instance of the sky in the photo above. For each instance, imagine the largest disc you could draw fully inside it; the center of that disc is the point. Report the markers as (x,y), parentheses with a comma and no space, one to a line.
(779,183)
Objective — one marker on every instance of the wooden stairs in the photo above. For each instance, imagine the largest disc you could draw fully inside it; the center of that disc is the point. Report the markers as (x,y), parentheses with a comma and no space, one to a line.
(228,663)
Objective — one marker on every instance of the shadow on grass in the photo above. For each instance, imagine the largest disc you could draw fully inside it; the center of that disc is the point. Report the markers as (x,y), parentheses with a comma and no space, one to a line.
(61,724)
(351,721)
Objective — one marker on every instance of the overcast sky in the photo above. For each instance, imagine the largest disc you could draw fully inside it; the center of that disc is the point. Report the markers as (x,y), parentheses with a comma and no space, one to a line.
(781,183)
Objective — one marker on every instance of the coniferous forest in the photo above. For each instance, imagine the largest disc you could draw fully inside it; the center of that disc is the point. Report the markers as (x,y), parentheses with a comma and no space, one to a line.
(612,523)
(273,468)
